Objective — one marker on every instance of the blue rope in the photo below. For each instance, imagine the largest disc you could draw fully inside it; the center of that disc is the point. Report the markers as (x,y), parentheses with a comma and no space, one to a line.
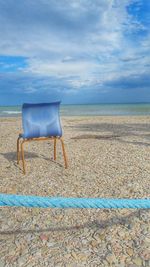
(60,202)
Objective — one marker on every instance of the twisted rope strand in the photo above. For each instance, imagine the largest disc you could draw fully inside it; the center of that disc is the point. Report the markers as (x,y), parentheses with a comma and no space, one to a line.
(61,202)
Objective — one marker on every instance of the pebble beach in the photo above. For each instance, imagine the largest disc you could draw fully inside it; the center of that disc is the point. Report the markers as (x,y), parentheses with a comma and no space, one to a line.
(108,157)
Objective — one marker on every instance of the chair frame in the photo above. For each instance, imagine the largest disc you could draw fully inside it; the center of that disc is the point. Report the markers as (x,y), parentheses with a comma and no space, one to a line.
(20,148)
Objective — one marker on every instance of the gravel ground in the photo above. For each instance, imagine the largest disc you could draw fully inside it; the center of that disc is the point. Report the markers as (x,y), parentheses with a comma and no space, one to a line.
(108,157)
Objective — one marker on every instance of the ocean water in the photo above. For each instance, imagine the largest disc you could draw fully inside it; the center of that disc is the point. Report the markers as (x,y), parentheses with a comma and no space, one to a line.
(88,110)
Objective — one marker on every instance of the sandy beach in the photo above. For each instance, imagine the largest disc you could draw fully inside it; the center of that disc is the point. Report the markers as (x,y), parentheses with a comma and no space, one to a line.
(109,157)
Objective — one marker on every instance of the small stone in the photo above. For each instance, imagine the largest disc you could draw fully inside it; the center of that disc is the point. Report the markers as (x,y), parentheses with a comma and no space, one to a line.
(67,256)
(105,263)
(50,244)
(44,238)
(12,190)
(22,260)
(146,254)
(94,243)
(123,259)
(111,258)
(84,241)
(74,255)
(36,211)
(121,234)
(109,247)
(137,261)
(130,251)
(147,263)
(82,257)
(101,236)
(37,254)
(29,237)
(2,263)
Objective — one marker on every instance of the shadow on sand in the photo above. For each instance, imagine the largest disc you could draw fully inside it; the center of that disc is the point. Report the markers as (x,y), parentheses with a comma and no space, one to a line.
(102,224)
(117,132)
(12,156)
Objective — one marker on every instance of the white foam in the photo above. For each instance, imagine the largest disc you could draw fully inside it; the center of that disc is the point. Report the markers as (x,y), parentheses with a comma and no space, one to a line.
(11,112)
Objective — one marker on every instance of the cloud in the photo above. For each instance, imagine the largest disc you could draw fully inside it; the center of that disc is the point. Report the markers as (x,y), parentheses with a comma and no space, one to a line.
(131,82)
(73,46)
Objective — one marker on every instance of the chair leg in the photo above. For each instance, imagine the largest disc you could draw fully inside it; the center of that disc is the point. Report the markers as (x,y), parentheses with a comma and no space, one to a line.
(55,148)
(18,152)
(22,153)
(64,153)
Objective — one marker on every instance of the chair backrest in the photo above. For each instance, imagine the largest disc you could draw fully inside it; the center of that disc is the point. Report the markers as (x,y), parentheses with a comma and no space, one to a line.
(41,120)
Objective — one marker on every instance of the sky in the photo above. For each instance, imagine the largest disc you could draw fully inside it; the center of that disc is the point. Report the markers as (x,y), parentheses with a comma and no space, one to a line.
(76,51)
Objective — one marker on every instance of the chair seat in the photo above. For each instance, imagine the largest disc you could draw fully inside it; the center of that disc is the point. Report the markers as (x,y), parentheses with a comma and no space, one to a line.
(21,135)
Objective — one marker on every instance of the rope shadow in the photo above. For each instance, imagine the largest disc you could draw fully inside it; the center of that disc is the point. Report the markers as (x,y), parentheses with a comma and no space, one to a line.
(103,224)
(109,137)
(135,129)
(94,136)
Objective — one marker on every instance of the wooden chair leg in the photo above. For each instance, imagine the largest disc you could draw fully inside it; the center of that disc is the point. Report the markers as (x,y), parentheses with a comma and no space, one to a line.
(22,153)
(55,148)
(64,153)
(18,152)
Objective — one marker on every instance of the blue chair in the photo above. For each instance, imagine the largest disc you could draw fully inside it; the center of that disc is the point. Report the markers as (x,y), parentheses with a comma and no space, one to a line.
(40,122)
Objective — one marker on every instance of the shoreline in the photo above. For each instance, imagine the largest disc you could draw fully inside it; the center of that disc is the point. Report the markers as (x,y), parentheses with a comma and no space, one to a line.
(84,116)
(116,115)
(140,109)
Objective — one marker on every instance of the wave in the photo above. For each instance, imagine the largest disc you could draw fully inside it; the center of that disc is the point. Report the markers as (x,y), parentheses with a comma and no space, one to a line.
(11,112)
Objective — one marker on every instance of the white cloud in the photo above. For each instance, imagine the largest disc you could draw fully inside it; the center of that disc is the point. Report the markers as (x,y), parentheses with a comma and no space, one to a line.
(90,40)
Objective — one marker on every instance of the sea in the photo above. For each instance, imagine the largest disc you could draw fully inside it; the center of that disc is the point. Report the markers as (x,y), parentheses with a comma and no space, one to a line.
(88,110)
